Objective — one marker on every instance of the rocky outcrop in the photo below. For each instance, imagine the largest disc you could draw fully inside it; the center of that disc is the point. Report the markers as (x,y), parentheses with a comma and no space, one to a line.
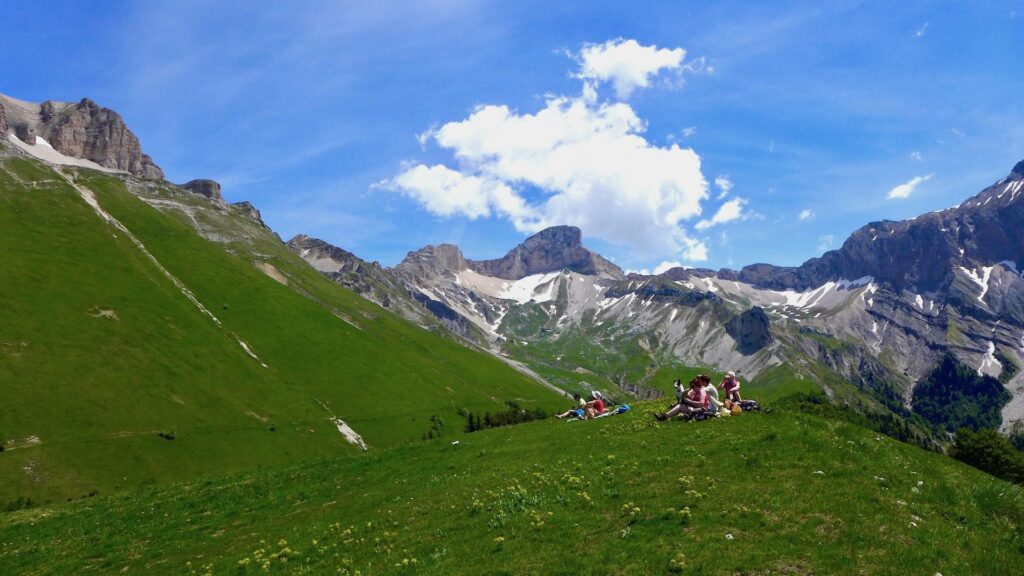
(208,188)
(432,261)
(3,121)
(330,259)
(550,250)
(83,130)
(751,330)
(249,211)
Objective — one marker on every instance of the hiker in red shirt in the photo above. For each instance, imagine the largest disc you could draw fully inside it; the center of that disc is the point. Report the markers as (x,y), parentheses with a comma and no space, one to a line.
(695,400)
(731,386)
(596,406)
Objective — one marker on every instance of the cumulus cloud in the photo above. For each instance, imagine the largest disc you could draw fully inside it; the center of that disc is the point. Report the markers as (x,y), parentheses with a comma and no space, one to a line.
(666,266)
(916,155)
(724,186)
(907,188)
(626,64)
(731,210)
(806,214)
(578,161)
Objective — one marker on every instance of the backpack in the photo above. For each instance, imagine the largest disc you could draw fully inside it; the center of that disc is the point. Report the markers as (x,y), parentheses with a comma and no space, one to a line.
(750,405)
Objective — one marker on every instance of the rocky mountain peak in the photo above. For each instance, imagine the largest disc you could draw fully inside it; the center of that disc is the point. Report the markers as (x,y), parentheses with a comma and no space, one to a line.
(328,258)
(433,259)
(920,254)
(1018,169)
(84,130)
(550,250)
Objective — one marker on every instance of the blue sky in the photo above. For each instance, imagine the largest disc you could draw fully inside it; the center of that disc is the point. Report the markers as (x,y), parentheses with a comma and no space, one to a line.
(321,112)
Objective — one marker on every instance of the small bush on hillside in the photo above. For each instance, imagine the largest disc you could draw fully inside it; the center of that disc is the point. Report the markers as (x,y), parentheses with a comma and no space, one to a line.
(1017,436)
(513,414)
(990,451)
(436,428)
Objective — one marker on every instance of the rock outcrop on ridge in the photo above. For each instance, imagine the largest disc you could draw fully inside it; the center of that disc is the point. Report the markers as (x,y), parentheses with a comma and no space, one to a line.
(83,130)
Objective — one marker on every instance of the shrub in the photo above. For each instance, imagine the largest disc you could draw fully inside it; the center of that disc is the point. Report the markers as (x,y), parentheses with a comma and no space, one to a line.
(990,451)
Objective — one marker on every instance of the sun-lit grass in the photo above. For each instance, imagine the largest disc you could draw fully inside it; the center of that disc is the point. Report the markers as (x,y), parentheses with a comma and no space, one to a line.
(753,494)
(111,378)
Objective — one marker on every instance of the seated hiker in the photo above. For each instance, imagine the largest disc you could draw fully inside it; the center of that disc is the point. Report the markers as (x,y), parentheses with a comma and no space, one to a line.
(731,386)
(713,403)
(695,400)
(596,406)
(577,411)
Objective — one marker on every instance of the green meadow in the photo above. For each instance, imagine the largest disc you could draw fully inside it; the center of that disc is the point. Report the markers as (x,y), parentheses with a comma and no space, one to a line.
(112,379)
(759,493)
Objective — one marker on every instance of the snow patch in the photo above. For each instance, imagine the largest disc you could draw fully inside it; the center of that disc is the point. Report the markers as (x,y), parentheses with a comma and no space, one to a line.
(980,279)
(989,364)
(919,301)
(525,289)
(42,150)
(811,298)
(862,281)
(350,434)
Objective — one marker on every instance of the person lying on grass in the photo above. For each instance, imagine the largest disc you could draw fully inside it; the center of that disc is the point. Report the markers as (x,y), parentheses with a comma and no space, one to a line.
(595,406)
(731,386)
(577,411)
(693,401)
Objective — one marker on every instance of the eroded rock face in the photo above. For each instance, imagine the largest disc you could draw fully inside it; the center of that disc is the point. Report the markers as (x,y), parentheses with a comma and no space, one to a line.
(550,250)
(3,121)
(208,188)
(751,330)
(83,130)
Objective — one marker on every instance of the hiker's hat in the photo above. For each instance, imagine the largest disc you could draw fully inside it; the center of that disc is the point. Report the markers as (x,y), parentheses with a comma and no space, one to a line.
(595,394)
(730,374)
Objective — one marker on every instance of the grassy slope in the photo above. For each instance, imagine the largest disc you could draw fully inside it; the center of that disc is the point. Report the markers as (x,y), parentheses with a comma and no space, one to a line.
(96,391)
(796,494)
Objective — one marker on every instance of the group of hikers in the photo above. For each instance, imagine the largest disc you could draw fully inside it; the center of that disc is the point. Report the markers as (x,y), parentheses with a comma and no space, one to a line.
(698,401)
(701,398)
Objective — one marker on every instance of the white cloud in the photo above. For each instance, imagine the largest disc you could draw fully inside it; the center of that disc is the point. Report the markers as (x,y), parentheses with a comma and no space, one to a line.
(577,161)
(921,31)
(806,214)
(589,164)
(666,266)
(688,132)
(907,188)
(825,242)
(916,155)
(626,64)
(724,186)
(731,210)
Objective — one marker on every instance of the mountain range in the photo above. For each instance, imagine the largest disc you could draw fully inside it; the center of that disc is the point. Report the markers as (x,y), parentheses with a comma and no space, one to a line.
(882,312)
(916,323)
